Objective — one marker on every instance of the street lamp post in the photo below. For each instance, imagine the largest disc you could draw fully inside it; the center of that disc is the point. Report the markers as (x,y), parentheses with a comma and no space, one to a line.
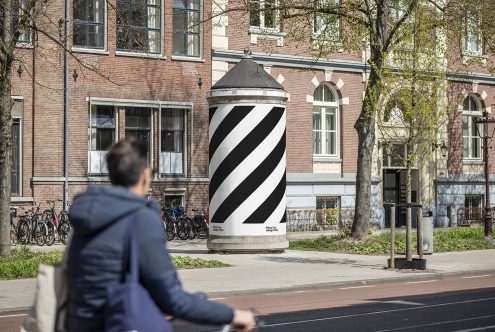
(485,120)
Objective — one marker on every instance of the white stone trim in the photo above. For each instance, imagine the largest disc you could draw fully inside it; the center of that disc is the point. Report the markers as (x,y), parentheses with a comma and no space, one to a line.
(309,99)
(344,101)
(340,84)
(489,109)
(315,81)
(328,75)
(280,79)
(484,95)
(475,87)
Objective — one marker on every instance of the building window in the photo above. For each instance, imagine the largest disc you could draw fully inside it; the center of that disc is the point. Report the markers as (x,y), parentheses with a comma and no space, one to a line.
(89,24)
(471,141)
(187,27)
(393,111)
(174,200)
(16,158)
(139,26)
(138,126)
(102,128)
(471,36)
(325,26)
(22,8)
(172,141)
(325,122)
(264,14)
(473,208)
(394,156)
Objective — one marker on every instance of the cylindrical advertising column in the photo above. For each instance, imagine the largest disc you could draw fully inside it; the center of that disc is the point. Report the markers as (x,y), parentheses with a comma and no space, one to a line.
(247,170)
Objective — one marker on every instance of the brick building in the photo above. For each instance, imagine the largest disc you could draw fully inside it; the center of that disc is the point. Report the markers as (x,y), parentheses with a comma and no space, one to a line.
(326,95)
(153,67)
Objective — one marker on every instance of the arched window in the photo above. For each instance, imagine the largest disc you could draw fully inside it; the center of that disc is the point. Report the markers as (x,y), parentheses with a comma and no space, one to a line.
(325,122)
(393,111)
(471,141)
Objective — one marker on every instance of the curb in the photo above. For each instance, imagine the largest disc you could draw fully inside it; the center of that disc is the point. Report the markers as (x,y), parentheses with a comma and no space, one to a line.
(379,281)
(338,284)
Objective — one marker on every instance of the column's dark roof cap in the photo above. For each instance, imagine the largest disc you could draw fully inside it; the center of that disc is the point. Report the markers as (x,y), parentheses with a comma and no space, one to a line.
(247,74)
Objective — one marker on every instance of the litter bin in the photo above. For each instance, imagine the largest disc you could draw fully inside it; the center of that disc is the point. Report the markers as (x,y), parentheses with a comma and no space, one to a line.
(428,232)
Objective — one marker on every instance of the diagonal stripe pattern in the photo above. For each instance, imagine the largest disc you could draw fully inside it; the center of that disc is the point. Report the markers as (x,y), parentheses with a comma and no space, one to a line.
(247,164)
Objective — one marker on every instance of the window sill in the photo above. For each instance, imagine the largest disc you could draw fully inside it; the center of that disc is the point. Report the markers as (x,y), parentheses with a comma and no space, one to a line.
(473,162)
(468,57)
(326,159)
(187,58)
(337,42)
(269,34)
(28,46)
(89,50)
(140,55)
(20,199)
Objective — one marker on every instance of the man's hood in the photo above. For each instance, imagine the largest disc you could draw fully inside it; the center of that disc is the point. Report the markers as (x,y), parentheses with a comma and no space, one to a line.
(100,206)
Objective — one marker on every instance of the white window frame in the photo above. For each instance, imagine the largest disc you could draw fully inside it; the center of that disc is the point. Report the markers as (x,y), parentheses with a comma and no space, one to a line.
(261,27)
(21,42)
(323,28)
(335,107)
(470,120)
(82,49)
(20,118)
(116,113)
(470,37)
(151,110)
(184,145)
(201,38)
(159,55)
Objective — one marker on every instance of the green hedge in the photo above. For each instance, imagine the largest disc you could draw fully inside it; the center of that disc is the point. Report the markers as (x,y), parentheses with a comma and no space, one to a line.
(23,263)
(456,239)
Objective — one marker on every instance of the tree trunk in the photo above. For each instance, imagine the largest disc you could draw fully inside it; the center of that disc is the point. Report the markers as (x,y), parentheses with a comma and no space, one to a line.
(365,127)
(5,164)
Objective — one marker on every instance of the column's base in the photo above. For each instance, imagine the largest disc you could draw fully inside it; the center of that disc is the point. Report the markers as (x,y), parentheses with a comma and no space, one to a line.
(248,244)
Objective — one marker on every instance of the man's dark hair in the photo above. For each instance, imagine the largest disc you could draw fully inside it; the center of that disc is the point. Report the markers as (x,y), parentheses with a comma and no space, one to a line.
(126,161)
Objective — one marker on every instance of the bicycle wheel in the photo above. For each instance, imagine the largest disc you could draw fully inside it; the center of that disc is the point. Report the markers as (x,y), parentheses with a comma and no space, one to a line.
(23,231)
(63,231)
(201,227)
(170,229)
(192,233)
(13,237)
(183,228)
(40,232)
(50,233)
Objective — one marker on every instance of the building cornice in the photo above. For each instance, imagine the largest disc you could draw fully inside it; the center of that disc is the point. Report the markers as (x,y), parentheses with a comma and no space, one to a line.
(292,61)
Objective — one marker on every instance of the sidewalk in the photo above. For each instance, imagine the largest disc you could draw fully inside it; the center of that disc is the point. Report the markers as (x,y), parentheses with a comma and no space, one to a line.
(290,270)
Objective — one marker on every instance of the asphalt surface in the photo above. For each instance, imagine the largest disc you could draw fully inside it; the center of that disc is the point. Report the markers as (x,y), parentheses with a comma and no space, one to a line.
(458,304)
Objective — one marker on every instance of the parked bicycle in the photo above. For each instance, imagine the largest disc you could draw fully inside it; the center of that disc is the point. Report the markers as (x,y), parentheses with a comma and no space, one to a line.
(176,222)
(58,225)
(200,224)
(31,228)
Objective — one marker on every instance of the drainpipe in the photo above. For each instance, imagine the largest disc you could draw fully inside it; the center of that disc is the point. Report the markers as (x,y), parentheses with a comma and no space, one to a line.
(66,106)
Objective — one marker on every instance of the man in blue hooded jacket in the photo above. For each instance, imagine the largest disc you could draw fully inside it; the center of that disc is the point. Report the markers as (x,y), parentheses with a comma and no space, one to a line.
(96,251)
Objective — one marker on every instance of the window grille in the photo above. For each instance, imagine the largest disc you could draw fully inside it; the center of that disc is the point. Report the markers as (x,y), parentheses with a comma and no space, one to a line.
(473,206)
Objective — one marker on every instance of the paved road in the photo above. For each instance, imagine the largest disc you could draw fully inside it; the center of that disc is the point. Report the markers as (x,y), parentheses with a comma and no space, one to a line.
(452,304)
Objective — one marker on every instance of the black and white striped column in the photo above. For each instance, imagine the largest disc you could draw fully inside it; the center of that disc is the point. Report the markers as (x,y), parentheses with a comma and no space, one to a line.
(247,169)
(247,160)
